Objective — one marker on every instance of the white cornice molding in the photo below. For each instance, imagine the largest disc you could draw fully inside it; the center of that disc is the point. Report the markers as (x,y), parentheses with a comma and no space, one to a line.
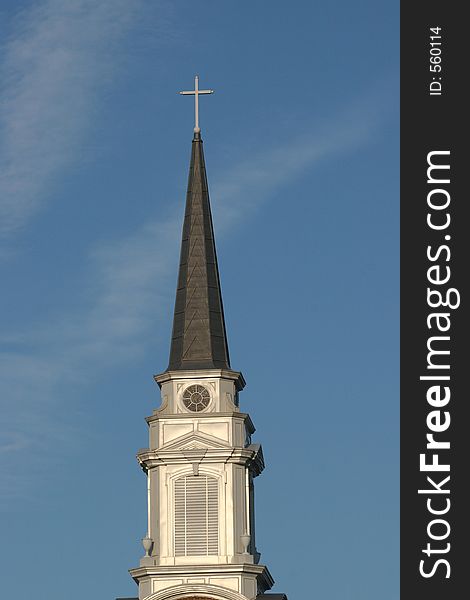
(251,456)
(235,376)
(261,571)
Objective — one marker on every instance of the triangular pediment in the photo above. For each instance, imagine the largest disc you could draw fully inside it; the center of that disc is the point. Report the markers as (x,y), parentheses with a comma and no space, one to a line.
(195,440)
(194,446)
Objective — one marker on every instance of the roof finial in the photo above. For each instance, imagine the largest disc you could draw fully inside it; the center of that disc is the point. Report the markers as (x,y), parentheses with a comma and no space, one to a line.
(196,93)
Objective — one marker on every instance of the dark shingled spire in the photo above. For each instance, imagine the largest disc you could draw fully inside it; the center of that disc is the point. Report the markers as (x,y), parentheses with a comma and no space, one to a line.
(199,340)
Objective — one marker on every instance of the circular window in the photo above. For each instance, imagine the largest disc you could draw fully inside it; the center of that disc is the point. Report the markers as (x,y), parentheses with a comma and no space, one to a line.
(196,398)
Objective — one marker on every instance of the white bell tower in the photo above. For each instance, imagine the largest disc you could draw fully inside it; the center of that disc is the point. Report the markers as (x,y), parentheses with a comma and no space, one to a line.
(201,462)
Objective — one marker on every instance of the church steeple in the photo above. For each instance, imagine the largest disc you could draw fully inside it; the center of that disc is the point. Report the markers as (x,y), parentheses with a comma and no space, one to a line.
(201,462)
(199,339)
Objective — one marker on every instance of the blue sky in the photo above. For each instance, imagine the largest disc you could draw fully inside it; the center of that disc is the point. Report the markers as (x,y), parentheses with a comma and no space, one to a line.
(301,144)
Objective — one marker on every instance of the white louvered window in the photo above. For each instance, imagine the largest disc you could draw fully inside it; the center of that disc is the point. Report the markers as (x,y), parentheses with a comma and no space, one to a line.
(196,516)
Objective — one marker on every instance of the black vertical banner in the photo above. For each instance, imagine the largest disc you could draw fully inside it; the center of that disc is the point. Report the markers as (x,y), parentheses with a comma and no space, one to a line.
(435,301)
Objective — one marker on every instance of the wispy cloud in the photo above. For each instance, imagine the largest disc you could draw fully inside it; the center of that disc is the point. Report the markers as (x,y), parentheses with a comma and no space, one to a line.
(126,282)
(126,279)
(56,60)
(42,368)
(250,183)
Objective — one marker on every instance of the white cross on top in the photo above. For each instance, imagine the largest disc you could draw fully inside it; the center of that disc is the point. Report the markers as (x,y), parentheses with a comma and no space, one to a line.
(196,93)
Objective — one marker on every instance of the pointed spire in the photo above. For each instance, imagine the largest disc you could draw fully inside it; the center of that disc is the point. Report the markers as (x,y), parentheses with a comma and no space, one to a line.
(199,340)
